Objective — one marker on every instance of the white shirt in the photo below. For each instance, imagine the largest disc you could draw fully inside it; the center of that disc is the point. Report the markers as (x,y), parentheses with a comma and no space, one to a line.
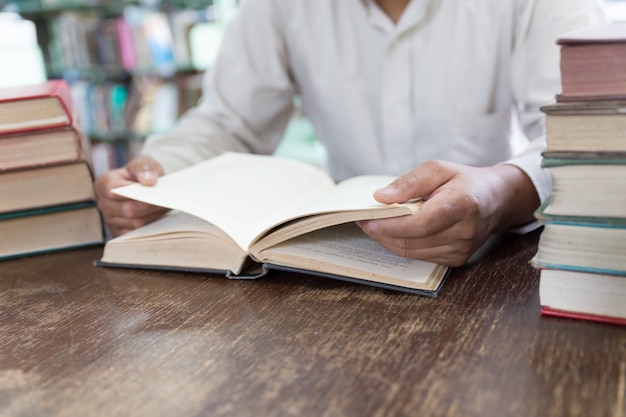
(444,82)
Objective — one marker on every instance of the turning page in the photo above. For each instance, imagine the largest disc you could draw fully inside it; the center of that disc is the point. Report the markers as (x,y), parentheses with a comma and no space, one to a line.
(239,193)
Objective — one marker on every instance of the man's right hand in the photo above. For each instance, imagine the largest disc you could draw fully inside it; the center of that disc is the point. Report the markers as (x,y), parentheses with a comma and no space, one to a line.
(120,214)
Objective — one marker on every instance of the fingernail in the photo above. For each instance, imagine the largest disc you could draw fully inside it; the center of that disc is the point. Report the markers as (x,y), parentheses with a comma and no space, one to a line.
(387,191)
(147,175)
(369,225)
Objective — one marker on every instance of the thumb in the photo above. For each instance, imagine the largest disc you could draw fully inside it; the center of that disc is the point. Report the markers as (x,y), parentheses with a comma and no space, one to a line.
(144,170)
(420,182)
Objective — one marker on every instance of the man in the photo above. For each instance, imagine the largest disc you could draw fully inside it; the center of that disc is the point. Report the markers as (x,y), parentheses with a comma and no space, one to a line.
(425,89)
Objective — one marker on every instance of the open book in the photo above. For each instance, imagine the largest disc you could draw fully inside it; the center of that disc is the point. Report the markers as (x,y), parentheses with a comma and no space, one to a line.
(236,211)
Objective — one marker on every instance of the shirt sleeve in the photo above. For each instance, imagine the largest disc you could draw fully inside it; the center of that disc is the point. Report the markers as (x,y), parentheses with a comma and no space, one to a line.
(247,97)
(536,72)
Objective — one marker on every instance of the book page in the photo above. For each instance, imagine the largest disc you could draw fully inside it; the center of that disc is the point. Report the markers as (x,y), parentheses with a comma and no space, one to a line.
(351,200)
(346,250)
(352,194)
(180,240)
(242,194)
(174,223)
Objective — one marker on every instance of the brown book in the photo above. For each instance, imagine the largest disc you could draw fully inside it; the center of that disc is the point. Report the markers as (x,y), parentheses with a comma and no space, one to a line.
(586,126)
(588,184)
(46,186)
(593,63)
(43,147)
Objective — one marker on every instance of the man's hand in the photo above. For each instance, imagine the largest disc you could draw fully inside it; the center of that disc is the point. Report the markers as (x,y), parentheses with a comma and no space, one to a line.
(464,206)
(121,214)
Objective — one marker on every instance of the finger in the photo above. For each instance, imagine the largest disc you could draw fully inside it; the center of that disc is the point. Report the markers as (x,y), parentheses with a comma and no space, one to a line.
(434,216)
(121,224)
(118,227)
(130,209)
(144,170)
(441,248)
(420,182)
(112,208)
(112,179)
(404,235)
(138,210)
(446,251)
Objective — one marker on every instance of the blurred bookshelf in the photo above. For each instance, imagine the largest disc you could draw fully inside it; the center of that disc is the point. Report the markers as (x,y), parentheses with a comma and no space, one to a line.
(134,66)
(129,63)
(111,6)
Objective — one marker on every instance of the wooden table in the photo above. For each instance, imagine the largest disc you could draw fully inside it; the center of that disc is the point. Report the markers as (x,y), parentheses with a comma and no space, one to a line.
(78,340)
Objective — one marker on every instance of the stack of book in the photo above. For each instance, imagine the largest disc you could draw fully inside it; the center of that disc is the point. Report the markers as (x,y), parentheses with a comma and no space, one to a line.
(46,184)
(582,248)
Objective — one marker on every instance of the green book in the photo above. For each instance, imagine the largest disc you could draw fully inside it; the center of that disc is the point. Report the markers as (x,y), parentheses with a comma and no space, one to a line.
(581,243)
(50,229)
(589,184)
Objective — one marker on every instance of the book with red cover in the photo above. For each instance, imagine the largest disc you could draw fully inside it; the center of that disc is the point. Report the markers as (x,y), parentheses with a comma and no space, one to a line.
(552,312)
(583,294)
(34,107)
(593,63)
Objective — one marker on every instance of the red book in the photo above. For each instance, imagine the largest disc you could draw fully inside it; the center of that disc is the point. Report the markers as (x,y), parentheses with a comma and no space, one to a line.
(593,63)
(583,295)
(548,311)
(34,107)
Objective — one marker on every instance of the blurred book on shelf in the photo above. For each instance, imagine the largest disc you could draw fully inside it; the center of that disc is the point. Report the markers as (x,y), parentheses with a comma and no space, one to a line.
(130,65)
(135,68)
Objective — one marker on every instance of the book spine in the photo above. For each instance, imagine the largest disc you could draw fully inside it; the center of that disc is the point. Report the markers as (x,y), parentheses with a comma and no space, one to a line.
(64,95)
(127,45)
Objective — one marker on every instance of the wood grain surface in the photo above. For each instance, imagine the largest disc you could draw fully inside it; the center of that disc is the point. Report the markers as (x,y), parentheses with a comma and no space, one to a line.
(79,340)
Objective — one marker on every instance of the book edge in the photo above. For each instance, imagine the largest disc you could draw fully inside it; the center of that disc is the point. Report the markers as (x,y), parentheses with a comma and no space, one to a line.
(268,267)
(553,312)
(427,293)
(46,251)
